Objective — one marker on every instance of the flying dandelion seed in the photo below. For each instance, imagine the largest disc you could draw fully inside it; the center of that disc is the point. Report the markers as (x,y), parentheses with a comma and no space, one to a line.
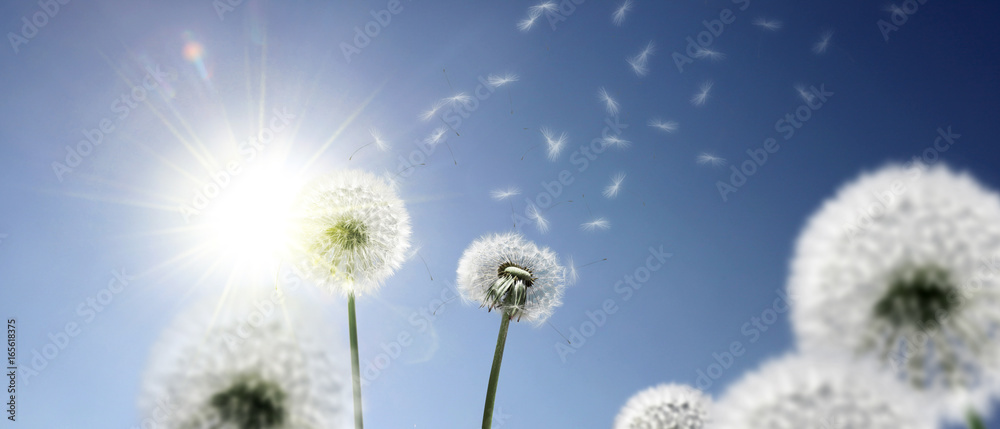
(904,286)
(823,43)
(809,392)
(381,144)
(667,126)
(709,159)
(615,142)
(804,93)
(709,54)
(555,144)
(534,12)
(599,224)
(640,62)
(497,81)
(436,136)
(618,17)
(609,103)
(572,276)
(701,97)
(670,406)
(460,98)
(517,278)
(505,193)
(611,191)
(540,221)
(768,24)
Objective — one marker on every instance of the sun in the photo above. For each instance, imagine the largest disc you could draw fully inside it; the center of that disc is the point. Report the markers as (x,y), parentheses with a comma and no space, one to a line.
(249,221)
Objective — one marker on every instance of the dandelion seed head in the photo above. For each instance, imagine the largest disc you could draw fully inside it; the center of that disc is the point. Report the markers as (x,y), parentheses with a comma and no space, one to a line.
(596,224)
(505,193)
(273,377)
(553,143)
(669,406)
(497,81)
(508,273)
(709,159)
(351,232)
(795,392)
(824,42)
(611,191)
(904,285)
(701,97)
(437,136)
(609,103)
(618,17)
(540,221)
(667,126)
(768,24)
(380,142)
(640,62)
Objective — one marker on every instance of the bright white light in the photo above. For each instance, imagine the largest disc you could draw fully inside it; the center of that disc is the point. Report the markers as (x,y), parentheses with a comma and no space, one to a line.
(248,221)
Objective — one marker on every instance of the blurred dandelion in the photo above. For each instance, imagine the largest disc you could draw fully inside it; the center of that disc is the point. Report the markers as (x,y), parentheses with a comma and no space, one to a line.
(273,376)
(709,159)
(554,144)
(768,24)
(795,392)
(514,276)
(352,232)
(711,54)
(611,191)
(701,97)
(640,62)
(596,224)
(609,103)
(824,42)
(667,126)
(618,17)
(505,193)
(908,285)
(540,221)
(615,142)
(497,81)
(804,93)
(666,406)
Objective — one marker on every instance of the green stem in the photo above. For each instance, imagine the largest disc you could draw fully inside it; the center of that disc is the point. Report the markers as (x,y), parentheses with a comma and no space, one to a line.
(491,390)
(975,422)
(355,362)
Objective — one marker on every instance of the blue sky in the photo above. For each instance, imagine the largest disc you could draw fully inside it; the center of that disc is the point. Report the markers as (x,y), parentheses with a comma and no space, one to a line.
(214,78)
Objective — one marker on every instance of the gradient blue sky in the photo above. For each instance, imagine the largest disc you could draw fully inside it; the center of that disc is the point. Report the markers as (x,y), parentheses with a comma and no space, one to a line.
(119,208)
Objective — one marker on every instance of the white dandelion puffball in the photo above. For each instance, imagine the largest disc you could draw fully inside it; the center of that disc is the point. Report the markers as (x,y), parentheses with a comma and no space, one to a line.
(513,275)
(667,406)
(351,232)
(901,266)
(798,392)
(250,370)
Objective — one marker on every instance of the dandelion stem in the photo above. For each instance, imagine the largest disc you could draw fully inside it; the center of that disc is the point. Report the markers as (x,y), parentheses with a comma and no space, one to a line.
(355,362)
(358,150)
(975,422)
(491,390)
